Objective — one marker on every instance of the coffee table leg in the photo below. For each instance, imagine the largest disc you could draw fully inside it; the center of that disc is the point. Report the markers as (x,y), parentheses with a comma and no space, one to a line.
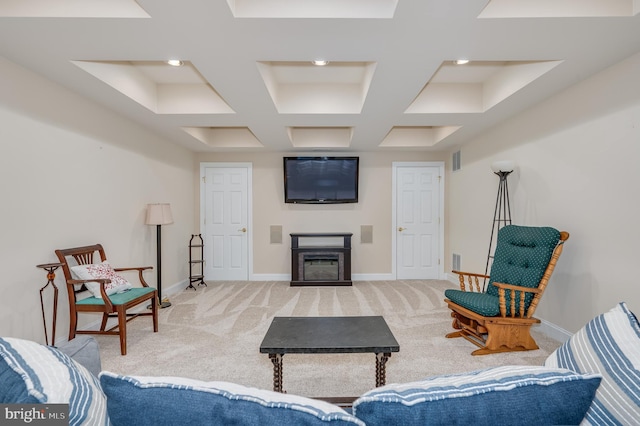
(276,359)
(381,375)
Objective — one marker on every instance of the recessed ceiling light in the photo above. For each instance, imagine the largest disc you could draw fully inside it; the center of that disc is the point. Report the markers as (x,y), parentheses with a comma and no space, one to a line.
(175,62)
(461,61)
(320,62)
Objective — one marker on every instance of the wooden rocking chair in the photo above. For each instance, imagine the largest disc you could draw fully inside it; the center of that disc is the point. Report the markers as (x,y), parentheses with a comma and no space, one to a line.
(111,305)
(500,318)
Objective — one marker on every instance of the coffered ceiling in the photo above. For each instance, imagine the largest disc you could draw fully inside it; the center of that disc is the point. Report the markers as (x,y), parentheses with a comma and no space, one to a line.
(247,81)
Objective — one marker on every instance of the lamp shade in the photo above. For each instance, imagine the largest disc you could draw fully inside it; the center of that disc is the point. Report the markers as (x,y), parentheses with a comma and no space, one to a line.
(505,166)
(159,214)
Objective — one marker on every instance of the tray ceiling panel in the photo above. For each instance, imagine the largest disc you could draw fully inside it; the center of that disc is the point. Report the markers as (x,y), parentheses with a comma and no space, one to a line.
(247,81)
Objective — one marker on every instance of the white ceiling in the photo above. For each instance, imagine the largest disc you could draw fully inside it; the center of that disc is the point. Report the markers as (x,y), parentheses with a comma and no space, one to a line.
(248,84)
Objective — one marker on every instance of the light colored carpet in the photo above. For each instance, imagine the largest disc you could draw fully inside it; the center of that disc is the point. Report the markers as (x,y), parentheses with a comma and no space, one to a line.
(214,334)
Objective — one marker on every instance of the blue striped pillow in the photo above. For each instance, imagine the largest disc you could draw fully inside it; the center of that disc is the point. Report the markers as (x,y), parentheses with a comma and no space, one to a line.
(36,374)
(609,345)
(522,395)
(181,401)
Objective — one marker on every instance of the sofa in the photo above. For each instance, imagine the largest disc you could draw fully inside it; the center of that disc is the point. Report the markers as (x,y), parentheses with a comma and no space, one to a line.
(593,378)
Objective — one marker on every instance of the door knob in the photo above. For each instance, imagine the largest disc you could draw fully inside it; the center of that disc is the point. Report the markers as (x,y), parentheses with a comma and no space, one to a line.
(401,229)
(243,229)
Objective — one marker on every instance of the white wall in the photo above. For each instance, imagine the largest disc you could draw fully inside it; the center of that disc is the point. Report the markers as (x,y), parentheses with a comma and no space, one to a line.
(577,156)
(73,173)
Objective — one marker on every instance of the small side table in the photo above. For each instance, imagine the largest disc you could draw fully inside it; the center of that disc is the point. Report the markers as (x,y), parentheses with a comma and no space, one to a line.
(50,268)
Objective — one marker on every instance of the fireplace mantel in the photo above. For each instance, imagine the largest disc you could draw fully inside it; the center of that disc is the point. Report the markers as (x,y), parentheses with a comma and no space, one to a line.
(335,258)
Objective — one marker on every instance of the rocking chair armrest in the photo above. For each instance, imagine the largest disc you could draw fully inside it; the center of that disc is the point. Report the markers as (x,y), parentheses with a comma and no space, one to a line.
(473,274)
(502,288)
(517,288)
(472,280)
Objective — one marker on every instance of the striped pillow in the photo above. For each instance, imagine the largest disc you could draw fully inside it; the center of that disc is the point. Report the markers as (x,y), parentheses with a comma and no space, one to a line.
(609,345)
(522,395)
(181,401)
(31,373)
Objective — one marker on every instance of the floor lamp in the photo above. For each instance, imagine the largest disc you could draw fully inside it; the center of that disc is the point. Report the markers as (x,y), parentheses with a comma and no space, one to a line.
(159,214)
(502,212)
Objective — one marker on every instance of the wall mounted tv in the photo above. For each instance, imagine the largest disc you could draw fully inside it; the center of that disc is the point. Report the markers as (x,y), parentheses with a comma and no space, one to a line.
(321,180)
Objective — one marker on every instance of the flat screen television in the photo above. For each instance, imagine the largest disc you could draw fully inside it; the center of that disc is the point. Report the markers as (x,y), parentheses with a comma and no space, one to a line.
(321,180)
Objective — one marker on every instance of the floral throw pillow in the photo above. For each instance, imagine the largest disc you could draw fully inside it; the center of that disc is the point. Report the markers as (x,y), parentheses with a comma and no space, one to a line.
(118,284)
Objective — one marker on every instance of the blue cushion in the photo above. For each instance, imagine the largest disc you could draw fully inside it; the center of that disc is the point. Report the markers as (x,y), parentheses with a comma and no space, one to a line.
(38,374)
(180,401)
(522,395)
(608,345)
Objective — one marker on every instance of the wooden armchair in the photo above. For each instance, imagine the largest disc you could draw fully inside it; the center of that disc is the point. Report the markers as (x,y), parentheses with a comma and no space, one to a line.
(100,279)
(500,318)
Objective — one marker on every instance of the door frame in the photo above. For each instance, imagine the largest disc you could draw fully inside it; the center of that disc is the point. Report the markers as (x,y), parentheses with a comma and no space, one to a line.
(249,167)
(394,199)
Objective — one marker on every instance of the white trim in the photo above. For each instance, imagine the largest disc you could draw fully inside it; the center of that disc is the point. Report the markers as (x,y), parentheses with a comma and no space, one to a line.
(451,277)
(553,331)
(394,170)
(373,277)
(271,277)
(354,277)
(249,167)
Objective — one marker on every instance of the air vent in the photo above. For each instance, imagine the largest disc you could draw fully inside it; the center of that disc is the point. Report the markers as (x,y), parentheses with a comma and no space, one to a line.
(455,262)
(455,161)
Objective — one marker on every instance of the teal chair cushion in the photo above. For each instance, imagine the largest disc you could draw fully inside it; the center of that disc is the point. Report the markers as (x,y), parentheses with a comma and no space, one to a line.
(118,298)
(521,257)
(480,303)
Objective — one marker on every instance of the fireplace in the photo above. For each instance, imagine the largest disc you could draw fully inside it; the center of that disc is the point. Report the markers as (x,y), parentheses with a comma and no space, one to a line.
(316,259)
(320,266)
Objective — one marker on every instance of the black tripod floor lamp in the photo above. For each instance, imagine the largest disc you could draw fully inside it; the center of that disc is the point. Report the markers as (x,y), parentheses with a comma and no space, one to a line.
(502,212)
(159,214)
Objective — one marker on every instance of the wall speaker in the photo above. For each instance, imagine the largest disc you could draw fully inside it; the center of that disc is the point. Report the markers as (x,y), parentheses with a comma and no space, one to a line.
(275,234)
(366,234)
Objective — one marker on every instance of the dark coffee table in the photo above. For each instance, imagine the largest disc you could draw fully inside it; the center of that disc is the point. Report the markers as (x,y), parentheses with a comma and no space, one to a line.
(328,335)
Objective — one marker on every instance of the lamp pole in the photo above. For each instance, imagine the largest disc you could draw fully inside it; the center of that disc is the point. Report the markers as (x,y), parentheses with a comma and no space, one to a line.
(159,214)
(502,211)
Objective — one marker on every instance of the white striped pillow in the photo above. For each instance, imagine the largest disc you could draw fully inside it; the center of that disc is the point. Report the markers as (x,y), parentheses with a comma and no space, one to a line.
(151,401)
(609,345)
(43,375)
(522,395)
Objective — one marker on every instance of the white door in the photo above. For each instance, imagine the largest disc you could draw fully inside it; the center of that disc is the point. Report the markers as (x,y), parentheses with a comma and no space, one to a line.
(225,220)
(418,227)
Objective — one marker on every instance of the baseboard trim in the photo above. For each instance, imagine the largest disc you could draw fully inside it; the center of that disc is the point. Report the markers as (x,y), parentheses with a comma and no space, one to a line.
(270,277)
(553,331)
(354,277)
(373,277)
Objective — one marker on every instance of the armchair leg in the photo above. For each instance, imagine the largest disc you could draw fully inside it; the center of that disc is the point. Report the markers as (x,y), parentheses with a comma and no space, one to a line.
(73,323)
(122,329)
(105,318)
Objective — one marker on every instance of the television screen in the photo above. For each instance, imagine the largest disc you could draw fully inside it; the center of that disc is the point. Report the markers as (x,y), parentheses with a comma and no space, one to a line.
(321,180)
